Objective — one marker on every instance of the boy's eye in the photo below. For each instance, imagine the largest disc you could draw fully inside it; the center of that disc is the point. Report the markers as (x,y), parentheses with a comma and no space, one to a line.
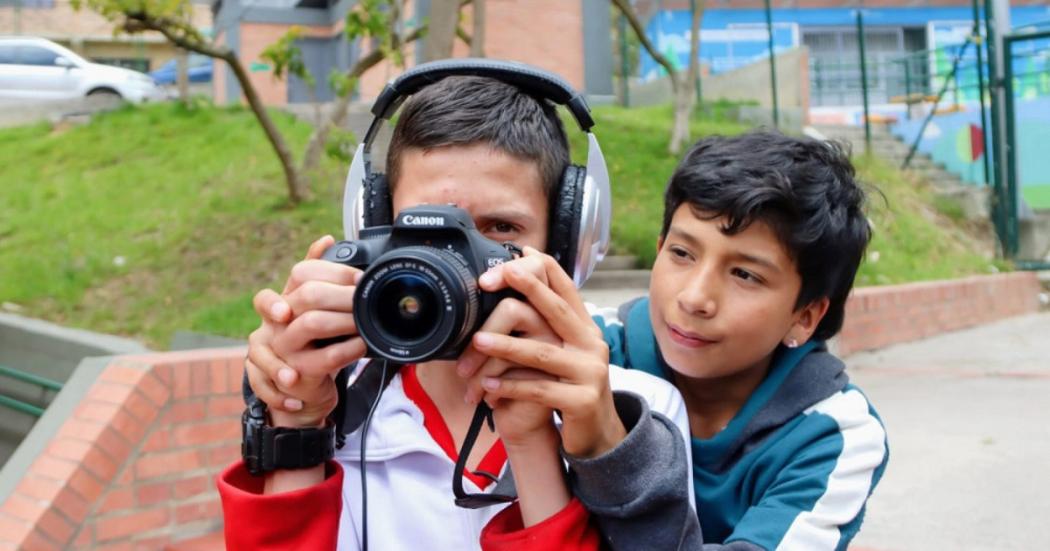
(679,253)
(746,275)
(502,227)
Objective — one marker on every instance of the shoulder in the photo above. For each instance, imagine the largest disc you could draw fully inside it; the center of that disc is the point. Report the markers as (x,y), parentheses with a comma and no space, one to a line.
(604,316)
(847,433)
(850,410)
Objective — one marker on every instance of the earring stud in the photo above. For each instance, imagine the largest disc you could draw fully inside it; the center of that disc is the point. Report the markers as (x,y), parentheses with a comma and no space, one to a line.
(791,343)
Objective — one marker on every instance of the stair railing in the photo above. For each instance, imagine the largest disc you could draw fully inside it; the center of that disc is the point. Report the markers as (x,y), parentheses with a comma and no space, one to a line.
(19,405)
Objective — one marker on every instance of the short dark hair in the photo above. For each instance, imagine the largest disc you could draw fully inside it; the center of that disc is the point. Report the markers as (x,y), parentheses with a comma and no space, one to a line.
(467,110)
(804,189)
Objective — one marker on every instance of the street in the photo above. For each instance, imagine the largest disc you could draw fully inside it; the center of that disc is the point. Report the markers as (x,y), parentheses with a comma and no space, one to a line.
(969,430)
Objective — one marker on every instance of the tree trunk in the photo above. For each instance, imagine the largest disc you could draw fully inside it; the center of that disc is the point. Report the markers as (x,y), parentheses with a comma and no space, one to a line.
(477,37)
(296,191)
(685,96)
(182,76)
(444,17)
(680,126)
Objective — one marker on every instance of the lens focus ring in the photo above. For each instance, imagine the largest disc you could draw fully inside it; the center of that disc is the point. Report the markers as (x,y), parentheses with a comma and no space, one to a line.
(416,303)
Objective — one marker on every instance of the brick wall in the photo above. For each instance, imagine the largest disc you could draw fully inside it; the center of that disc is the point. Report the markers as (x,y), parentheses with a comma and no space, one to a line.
(881,316)
(133,467)
(511,28)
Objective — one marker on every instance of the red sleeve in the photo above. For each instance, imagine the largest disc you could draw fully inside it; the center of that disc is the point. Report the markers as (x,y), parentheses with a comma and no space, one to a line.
(303,519)
(569,529)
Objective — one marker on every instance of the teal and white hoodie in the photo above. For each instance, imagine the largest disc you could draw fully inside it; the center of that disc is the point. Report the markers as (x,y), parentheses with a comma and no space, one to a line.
(792,470)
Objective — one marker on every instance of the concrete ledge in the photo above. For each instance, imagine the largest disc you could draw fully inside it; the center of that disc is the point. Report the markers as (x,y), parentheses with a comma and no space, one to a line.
(50,351)
(127,455)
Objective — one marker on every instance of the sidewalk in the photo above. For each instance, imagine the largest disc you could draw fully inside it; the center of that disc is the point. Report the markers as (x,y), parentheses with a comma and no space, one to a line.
(969,432)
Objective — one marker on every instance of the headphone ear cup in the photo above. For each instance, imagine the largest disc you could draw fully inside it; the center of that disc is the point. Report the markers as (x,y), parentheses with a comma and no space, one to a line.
(377,202)
(566,204)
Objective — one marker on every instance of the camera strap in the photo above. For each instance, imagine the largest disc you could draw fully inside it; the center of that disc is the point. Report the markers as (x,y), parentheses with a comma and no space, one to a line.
(504,492)
(356,401)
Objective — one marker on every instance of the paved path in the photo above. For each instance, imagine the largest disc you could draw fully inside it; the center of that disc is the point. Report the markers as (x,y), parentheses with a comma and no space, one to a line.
(968,417)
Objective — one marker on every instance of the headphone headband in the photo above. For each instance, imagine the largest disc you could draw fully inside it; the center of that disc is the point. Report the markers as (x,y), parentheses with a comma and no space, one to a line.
(526,77)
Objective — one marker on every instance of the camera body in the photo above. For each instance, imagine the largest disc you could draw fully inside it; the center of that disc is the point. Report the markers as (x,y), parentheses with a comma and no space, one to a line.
(418,298)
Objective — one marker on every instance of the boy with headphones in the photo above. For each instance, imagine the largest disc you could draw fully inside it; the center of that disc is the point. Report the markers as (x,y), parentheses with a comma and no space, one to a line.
(494,146)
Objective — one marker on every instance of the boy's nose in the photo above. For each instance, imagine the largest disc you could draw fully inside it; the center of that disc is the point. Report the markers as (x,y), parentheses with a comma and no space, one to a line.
(699,297)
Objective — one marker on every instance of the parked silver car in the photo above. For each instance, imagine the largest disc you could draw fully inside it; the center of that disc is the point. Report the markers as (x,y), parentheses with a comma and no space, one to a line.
(35,68)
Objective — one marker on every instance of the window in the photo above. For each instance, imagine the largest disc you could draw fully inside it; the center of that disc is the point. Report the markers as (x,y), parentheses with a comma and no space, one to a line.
(7,55)
(135,64)
(35,55)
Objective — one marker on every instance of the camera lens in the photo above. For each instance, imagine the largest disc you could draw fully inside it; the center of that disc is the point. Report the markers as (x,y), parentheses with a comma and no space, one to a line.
(408,307)
(416,303)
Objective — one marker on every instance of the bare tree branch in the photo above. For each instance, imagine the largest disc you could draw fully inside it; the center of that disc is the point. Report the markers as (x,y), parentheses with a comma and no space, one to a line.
(312,156)
(462,35)
(632,19)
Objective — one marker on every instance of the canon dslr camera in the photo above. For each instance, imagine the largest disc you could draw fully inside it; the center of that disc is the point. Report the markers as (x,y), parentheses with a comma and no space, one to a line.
(418,299)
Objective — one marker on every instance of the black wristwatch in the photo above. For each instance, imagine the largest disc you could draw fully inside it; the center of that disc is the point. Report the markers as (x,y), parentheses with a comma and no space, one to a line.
(265,448)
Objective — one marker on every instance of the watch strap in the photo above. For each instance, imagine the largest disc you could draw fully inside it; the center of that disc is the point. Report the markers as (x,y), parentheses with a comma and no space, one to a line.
(265,448)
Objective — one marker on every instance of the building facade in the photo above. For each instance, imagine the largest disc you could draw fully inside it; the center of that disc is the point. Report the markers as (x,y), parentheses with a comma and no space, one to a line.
(733,34)
(568,37)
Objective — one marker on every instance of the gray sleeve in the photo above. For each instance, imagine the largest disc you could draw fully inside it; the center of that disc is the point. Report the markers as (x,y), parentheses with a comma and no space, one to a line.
(638,492)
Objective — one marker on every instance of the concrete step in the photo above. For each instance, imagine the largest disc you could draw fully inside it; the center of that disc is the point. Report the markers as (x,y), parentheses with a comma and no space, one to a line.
(618,262)
(618,279)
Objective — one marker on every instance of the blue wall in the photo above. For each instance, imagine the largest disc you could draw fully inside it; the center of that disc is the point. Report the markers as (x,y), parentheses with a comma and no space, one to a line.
(669,30)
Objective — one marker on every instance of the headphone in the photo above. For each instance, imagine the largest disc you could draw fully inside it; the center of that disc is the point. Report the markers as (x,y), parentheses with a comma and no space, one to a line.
(581,203)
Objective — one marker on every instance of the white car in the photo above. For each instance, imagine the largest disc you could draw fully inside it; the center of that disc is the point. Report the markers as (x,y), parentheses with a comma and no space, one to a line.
(35,68)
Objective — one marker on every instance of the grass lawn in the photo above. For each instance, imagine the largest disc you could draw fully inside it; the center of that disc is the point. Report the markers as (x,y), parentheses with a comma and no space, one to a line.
(634,142)
(158,218)
(150,220)
(915,235)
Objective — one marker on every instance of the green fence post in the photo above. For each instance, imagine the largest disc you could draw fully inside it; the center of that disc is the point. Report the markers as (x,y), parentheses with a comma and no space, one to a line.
(863,82)
(1009,156)
(907,87)
(772,65)
(980,89)
(998,193)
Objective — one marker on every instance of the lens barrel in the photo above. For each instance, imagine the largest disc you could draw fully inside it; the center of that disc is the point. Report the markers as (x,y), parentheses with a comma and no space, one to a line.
(415,304)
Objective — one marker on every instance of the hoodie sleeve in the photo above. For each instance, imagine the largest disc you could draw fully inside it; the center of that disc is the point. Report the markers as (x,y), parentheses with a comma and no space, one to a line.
(569,529)
(303,519)
(649,506)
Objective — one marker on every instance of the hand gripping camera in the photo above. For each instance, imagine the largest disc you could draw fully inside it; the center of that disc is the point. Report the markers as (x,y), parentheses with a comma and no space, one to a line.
(418,299)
